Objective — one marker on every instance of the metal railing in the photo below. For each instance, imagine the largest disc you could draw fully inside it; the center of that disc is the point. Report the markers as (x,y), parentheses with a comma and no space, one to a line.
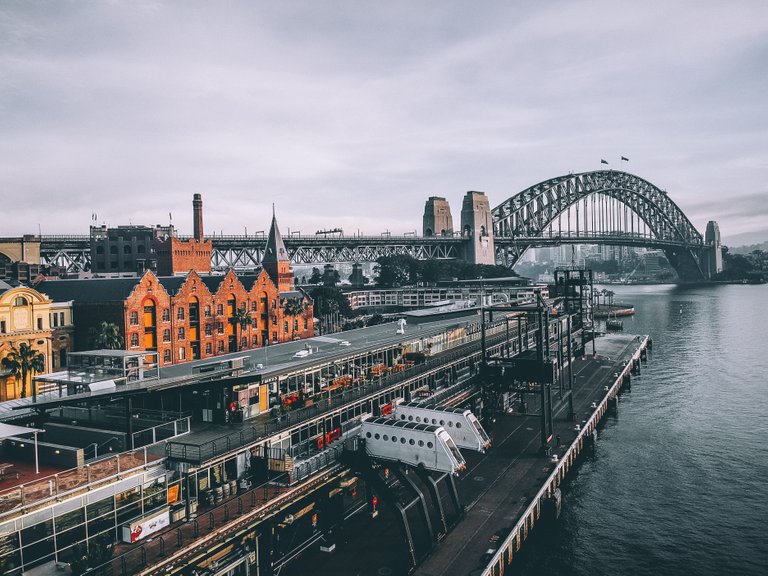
(161,432)
(30,495)
(204,451)
(240,508)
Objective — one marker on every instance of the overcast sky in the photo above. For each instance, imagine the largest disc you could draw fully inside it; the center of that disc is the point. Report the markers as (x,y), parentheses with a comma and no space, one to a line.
(350,113)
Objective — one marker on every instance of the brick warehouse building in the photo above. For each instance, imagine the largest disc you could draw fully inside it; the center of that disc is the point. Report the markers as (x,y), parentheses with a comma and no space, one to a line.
(192,316)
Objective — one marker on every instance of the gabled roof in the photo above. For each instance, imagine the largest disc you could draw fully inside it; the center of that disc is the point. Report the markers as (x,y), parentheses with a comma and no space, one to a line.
(172,284)
(293,295)
(213,282)
(275,250)
(248,280)
(89,289)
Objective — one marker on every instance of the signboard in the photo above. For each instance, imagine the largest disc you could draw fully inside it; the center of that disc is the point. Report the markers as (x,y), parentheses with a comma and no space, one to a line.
(143,527)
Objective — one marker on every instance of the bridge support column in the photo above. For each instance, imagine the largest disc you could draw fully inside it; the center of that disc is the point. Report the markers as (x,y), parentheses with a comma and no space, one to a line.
(477,229)
(434,492)
(421,502)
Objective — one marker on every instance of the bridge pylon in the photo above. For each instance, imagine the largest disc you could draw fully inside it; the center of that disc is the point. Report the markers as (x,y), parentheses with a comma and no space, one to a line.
(437,217)
(477,229)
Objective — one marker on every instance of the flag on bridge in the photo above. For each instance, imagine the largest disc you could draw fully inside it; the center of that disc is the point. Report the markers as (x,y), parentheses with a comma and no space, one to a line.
(603,161)
(625,159)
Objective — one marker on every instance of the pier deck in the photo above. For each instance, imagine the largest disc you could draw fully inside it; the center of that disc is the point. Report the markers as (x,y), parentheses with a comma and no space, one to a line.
(496,489)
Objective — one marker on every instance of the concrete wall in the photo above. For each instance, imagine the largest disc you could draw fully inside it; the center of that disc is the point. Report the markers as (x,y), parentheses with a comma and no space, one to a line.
(49,454)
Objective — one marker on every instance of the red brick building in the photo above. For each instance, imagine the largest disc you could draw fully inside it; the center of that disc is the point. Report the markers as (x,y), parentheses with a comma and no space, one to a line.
(176,256)
(134,249)
(192,316)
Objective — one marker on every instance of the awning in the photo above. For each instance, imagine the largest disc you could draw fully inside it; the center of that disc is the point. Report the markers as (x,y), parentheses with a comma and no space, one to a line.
(9,430)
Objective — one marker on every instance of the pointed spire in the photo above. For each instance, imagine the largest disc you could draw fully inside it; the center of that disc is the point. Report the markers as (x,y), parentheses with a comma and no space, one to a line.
(275,250)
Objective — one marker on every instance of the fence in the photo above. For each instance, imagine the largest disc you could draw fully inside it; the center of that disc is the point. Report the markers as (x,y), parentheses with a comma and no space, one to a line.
(161,432)
(260,500)
(198,453)
(30,495)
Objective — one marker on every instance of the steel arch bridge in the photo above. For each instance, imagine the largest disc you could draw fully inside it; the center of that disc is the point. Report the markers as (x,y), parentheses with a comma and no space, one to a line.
(605,207)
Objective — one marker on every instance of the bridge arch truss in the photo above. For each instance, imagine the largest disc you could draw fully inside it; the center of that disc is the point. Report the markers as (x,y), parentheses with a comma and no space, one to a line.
(601,207)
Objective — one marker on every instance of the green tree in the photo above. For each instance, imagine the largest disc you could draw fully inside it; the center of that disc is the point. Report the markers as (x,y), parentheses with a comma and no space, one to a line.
(330,276)
(375,320)
(294,307)
(395,271)
(316,277)
(329,300)
(243,319)
(106,336)
(24,362)
(432,271)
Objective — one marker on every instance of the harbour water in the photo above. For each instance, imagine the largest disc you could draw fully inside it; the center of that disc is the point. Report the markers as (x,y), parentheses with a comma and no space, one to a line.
(678,484)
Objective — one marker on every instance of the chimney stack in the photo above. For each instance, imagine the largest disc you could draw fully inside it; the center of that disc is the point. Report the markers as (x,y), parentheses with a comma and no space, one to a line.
(197,210)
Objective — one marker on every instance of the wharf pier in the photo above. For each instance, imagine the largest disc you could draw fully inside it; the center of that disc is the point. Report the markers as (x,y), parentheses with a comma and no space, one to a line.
(505,491)
(302,490)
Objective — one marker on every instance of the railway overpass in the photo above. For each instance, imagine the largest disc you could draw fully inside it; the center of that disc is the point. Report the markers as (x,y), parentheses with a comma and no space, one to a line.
(604,207)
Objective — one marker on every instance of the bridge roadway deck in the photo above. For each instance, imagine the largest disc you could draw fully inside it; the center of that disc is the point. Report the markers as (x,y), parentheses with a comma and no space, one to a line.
(496,488)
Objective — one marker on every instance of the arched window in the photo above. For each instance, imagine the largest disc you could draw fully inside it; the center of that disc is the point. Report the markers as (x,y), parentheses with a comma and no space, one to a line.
(127,249)
(20,301)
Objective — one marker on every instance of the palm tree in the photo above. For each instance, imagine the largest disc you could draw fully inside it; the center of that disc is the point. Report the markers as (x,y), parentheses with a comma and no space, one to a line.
(106,336)
(243,319)
(610,295)
(294,307)
(24,362)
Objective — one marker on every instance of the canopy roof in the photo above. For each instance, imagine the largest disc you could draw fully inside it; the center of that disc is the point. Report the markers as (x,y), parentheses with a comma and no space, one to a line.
(9,430)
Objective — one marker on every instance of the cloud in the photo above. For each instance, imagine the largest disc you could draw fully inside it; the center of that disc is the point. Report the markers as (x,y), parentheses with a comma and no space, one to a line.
(351,115)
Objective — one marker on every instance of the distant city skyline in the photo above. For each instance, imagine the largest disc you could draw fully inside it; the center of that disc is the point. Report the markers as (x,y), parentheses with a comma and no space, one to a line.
(350,115)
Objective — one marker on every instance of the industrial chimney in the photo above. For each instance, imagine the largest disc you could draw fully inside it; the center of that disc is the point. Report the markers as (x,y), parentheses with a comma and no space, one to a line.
(197,211)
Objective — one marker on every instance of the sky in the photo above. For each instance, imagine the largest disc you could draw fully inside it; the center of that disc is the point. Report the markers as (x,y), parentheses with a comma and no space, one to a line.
(350,114)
